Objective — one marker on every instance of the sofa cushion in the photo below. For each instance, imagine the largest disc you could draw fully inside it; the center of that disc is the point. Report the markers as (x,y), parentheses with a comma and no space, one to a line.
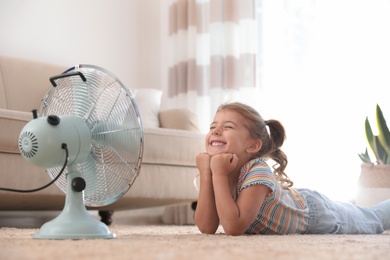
(179,119)
(11,123)
(24,82)
(3,100)
(172,146)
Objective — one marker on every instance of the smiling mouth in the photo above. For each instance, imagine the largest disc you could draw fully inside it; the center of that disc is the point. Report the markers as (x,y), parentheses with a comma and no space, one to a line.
(217,143)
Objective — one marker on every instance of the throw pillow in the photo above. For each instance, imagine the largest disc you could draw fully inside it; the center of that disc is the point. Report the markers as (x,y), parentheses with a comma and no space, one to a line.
(180,118)
(148,101)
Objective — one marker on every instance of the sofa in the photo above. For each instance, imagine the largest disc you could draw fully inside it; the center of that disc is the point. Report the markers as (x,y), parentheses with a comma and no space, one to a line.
(171,141)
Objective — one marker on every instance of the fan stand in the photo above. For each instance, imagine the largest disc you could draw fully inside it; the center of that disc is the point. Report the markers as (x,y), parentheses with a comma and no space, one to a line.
(74,222)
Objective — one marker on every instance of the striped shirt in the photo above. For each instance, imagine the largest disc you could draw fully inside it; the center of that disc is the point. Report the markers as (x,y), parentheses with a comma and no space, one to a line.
(284,211)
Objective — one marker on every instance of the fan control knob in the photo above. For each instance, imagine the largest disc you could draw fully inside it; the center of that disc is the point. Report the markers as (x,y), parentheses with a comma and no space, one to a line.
(78,184)
(53,120)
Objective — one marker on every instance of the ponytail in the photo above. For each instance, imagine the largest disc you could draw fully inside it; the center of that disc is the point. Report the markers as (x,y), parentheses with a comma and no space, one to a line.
(277,136)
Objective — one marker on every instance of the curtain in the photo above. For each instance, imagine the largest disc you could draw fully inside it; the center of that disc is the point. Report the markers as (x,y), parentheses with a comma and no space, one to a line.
(212,54)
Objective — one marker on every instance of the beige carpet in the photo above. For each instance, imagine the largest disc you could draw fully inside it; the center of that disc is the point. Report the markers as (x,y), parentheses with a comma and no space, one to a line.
(185,242)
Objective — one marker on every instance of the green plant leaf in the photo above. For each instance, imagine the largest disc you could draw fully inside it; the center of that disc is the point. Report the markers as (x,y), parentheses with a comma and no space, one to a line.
(379,144)
(369,135)
(365,157)
(379,151)
(383,130)
(387,159)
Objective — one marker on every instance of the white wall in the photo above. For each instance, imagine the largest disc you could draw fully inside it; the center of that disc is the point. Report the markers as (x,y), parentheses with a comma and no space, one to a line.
(122,36)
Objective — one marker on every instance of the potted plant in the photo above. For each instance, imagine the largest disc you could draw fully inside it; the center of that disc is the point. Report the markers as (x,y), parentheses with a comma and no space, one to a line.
(374,180)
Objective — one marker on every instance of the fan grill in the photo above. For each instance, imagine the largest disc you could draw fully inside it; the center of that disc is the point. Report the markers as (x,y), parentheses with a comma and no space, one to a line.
(110,111)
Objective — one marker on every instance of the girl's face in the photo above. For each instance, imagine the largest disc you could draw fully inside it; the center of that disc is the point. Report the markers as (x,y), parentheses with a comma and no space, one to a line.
(228,134)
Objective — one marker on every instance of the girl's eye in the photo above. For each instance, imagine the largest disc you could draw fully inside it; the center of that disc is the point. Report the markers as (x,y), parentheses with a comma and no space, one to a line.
(228,126)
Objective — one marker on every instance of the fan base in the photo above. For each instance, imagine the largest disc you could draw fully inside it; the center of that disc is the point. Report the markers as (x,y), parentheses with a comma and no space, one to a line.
(53,231)
(74,222)
(63,228)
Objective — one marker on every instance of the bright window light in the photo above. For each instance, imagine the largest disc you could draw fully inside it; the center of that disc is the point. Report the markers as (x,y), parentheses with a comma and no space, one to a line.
(323,67)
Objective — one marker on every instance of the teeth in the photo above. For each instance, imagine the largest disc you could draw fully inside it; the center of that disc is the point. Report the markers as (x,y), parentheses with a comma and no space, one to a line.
(215,143)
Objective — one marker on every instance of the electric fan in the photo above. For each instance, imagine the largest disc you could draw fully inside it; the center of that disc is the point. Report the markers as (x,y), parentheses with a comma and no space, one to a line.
(90,130)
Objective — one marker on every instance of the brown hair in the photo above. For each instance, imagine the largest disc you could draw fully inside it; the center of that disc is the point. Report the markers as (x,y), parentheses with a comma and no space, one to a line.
(271,142)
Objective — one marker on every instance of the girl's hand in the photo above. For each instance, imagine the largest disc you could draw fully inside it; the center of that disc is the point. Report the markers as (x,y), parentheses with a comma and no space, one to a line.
(205,216)
(203,162)
(223,164)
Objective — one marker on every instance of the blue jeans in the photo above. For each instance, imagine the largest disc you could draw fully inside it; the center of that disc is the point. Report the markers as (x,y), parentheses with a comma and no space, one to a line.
(333,217)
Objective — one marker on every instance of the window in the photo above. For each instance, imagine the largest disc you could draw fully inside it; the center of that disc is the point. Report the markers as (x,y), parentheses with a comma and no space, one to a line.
(322,66)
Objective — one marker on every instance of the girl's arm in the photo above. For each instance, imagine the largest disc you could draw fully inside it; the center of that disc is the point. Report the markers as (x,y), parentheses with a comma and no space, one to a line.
(205,216)
(235,215)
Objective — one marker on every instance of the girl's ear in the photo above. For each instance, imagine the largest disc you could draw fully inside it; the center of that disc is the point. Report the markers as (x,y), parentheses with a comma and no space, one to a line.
(255,146)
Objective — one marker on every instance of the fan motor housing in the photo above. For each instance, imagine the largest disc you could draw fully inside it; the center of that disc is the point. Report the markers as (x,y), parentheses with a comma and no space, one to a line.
(40,141)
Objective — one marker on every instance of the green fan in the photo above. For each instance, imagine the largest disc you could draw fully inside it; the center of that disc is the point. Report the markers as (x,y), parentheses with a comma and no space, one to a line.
(90,121)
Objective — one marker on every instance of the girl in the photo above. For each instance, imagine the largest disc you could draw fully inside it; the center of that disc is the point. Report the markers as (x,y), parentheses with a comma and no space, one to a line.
(239,191)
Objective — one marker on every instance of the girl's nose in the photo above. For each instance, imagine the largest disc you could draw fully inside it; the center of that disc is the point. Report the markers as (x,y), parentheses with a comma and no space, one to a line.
(216,131)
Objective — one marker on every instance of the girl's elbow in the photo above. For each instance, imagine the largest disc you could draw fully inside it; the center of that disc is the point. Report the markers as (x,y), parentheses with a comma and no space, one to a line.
(234,233)
(233,230)
(207,230)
